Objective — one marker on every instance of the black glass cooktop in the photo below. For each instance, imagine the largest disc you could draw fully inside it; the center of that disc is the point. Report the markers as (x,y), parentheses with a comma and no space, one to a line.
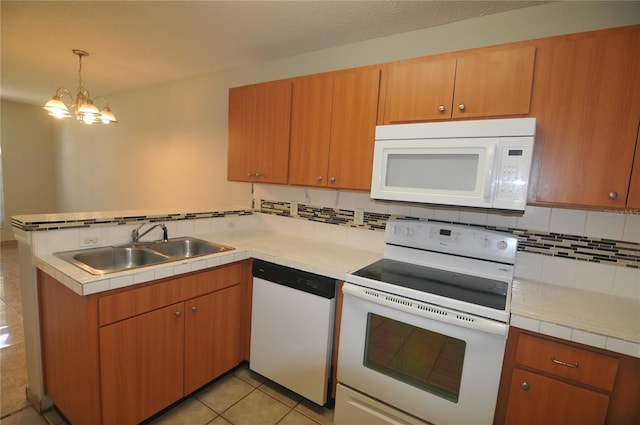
(472,289)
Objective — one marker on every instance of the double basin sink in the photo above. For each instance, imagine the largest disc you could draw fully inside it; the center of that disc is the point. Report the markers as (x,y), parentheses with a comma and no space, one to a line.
(111,259)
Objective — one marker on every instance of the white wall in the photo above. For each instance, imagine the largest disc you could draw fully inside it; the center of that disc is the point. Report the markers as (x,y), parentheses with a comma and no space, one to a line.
(169,149)
(28,145)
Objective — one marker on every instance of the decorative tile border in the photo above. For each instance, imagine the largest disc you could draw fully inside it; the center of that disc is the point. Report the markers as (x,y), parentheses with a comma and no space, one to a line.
(31,226)
(582,248)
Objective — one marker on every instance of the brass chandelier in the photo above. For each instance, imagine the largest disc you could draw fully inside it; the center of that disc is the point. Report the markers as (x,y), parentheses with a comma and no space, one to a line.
(83,106)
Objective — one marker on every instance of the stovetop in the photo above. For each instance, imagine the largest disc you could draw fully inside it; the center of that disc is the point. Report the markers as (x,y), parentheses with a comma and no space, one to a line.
(463,287)
(466,268)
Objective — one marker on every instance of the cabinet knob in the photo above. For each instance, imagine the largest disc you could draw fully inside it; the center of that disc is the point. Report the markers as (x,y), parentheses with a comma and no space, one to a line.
(258,174)
(178,313)
(613,195)
(441,108)
(461,106)
(525,386)
(319,178)
(249,174)
(194,308)
(332,179)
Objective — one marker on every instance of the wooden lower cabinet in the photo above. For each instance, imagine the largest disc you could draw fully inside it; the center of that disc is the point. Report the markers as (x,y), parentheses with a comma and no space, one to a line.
(120,357)
(211,336)
(141,365)
(547,380)
(536,399)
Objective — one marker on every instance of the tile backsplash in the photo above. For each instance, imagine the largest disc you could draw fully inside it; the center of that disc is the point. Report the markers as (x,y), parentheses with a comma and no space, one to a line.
(596,250)
(590,250)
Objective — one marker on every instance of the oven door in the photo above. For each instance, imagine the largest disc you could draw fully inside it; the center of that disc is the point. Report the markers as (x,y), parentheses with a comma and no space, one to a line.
(439,365)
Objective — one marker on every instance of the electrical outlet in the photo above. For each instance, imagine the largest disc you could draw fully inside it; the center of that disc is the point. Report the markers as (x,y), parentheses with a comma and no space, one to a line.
(91,240)
(257,204)
(294,209)
(358,216)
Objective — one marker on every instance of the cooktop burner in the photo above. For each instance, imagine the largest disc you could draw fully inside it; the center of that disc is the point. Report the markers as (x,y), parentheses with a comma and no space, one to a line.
(472,289)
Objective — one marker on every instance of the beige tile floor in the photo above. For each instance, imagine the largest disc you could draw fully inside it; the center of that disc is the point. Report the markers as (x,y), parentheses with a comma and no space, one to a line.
(242,397)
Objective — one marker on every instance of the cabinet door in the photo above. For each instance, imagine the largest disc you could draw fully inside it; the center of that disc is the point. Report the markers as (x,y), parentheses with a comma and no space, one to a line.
(310,130)
(587,102)
(420,90)
(633,198)
(494,83)
(141,365)
(242,113)
(212,336)
(353,125)
(259,132)
(535,399)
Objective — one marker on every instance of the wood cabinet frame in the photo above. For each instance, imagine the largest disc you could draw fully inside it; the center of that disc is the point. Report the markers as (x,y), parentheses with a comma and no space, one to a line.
(623,407)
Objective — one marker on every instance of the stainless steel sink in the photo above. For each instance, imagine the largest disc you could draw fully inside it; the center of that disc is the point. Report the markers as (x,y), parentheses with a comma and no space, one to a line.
(111,259)
(187,247)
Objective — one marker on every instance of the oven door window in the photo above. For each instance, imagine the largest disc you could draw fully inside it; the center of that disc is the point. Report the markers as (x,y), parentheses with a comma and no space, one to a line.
(418,357)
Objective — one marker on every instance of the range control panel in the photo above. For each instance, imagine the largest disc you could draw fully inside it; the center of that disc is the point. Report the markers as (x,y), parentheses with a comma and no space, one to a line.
(467,241)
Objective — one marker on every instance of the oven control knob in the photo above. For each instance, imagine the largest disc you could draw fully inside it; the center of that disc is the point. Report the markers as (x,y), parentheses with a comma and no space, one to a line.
(484,242)
(502,245)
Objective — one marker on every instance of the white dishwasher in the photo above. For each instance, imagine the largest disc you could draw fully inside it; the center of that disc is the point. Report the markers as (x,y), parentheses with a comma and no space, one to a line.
(292,328)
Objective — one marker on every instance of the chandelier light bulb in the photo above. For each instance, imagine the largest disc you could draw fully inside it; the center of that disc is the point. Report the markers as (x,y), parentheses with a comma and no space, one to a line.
(84,107)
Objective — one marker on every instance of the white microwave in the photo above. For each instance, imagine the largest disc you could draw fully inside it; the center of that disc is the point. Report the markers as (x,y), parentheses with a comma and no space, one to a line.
(480,163)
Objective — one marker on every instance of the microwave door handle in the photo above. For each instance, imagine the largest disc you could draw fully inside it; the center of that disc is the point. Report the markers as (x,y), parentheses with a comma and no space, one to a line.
(489,185)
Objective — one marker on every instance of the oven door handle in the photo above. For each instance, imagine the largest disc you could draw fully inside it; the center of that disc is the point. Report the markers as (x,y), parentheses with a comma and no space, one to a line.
(426,310)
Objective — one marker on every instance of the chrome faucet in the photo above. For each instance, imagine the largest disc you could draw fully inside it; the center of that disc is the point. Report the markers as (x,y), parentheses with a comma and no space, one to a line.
(136,235)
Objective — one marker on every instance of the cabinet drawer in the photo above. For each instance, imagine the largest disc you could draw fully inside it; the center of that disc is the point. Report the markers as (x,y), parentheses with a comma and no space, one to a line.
(567,362)
(122,305)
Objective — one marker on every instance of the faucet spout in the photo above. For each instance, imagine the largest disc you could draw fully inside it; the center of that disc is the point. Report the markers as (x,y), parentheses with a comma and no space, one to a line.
(136,235)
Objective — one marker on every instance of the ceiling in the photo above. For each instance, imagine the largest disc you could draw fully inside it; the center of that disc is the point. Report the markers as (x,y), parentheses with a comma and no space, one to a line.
(134,44)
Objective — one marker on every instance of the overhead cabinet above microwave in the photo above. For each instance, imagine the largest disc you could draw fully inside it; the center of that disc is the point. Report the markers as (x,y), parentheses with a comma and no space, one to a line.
(486,84)
(482,164)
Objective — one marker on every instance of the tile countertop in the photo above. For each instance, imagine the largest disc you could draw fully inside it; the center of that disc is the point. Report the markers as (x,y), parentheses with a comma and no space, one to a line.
(590,318)
(327,259)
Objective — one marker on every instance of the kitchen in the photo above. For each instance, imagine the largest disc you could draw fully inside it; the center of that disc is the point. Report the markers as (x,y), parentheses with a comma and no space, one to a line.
(571,222)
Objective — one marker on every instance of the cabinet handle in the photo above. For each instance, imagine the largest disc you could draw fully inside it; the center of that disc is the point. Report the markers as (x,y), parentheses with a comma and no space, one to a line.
(332,179)
(525,385)
(561,363)
(249,174)
(461,106)
(258,174)
(319,178)
(178,313)
(441,108)
(613,195)
(194,308)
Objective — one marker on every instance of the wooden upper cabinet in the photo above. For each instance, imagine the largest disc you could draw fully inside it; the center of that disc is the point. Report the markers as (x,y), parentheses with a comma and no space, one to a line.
(333,124)
(353,128)
(586,99)
(492,83)
(311,106)
(259,132)
(420,90)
